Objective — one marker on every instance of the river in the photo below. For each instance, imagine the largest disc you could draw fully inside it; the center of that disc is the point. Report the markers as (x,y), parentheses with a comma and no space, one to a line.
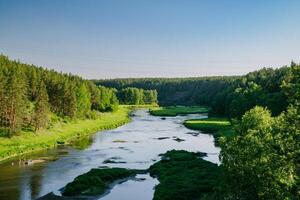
(134,145)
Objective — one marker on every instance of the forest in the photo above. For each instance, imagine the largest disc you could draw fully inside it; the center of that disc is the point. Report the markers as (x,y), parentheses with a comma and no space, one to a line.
(137,96)
(31,97)
(230,96)
(262,160)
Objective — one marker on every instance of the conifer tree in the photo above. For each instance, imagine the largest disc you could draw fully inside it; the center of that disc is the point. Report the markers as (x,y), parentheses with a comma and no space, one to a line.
(33,83)
(2,97)
(15,100)
(41,110)
(69,100)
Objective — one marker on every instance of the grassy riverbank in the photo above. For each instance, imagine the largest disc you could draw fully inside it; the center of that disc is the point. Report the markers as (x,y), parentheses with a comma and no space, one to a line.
(61,132)
(218,127)
(177,110)
(150,106)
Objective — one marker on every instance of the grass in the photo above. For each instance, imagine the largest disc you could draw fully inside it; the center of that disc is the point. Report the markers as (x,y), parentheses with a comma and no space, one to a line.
(219,127)
(96,181)
(177,110)
(60,133)
(184,175)
(141,106)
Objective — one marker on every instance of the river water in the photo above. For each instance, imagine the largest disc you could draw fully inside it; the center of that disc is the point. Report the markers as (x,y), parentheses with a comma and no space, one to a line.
(135,145)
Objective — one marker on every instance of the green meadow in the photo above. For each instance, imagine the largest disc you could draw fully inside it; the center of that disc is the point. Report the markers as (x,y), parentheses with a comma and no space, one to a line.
(177,110)
(219,127)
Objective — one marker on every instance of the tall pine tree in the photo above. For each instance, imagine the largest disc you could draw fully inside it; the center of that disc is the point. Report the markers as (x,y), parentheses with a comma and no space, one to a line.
(69,100)
(15,100)
(41,109)
(2,98)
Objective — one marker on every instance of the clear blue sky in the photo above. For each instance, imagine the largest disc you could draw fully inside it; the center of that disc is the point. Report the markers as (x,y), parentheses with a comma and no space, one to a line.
(151,38)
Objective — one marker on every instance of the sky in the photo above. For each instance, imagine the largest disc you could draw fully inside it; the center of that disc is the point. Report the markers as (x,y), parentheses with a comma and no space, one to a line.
(151,38)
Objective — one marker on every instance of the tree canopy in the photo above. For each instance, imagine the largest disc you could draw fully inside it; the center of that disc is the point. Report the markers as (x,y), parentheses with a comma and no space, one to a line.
(231,96)
(262,160)
(29,94)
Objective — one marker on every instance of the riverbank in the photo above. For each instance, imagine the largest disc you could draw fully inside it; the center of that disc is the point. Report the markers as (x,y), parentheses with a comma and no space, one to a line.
(171,111)
(218,127)
(61,133)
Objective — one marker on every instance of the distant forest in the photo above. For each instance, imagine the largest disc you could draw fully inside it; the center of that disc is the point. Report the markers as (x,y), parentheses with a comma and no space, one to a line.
(229,96)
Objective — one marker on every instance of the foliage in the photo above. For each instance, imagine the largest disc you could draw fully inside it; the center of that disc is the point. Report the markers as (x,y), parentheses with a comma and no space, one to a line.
(13,98)
(177,110)
(262,160)
(41,111)
(137,96)
(83,100)
(109,99)
(66,95)
(231,96)
(259,161)
(291,85)
(184,175)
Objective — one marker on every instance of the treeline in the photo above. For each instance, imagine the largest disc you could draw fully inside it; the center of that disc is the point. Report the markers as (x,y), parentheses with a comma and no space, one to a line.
(230,96)
(137,96)
(175,91)
(30,95)
(262,161)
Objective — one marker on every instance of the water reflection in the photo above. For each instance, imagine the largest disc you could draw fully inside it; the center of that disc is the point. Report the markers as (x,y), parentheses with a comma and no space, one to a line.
(133,189)
(83,143)
(135,143)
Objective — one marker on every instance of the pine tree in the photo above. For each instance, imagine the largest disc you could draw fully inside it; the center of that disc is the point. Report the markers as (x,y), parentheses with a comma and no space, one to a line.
(41,110)
(2,97)
(69,100)
(33,83)
(15,100)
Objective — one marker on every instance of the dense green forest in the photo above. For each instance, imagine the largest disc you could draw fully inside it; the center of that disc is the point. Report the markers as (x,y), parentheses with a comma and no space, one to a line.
(137,96)
(30,96)
(262,161)
(230,96)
